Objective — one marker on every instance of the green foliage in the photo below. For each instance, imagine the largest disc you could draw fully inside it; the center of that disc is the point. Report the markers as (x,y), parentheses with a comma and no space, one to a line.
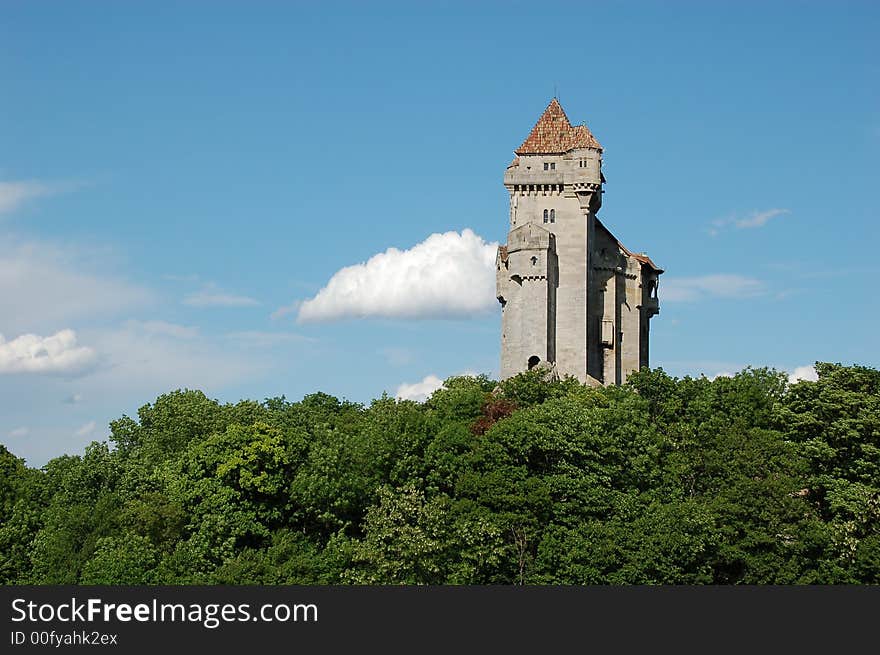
(530,388)
(739,480)
(836,424)
(128,559)
(460,399)
(12,478)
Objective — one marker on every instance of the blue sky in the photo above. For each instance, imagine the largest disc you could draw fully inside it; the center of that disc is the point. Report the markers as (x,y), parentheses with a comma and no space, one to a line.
(177,179)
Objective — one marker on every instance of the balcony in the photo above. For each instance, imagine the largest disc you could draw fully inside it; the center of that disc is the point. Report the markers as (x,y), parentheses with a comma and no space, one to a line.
(651,306)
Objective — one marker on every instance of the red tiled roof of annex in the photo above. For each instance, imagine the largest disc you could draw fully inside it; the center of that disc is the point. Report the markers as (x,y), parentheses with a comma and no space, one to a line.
(639,257)
(554,134)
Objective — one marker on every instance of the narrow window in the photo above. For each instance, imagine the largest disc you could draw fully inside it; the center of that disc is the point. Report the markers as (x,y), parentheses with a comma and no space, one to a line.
(546,215)
(534,261)
(552,165)
(552,215)
(546,166)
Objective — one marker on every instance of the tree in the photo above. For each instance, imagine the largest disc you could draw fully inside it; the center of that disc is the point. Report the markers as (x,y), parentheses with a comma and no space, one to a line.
(835,422)
(128,559)
(738,480)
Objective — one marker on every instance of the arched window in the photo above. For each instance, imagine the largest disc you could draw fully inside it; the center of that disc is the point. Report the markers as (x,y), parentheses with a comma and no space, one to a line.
(546,214)
(552,215)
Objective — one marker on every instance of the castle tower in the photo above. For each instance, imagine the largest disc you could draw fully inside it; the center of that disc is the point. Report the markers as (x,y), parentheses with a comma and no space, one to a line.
(572,296)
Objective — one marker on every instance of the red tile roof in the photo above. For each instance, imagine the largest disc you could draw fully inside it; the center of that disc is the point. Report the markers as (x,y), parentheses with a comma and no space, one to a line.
(644,259)
(639,257)
(554,134)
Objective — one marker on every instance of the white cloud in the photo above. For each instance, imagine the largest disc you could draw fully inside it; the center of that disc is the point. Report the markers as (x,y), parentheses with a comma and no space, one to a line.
(691,289)
(164,328)
(759,219)
(14,194)
(261,339)
(135,359)
(58,353)
(445,276)
(750,221)
(190,277)
(85,430)
(419,391)
(211,296)
(284,310)
(18,433)
(45,287)
(397,356)
(803,373)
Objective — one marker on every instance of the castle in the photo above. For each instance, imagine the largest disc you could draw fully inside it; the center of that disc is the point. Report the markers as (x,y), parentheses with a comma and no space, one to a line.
(573,298)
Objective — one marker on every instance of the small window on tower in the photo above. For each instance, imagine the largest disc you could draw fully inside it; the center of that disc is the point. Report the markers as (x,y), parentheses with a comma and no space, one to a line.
(546,216)
(534,261)
(552,215)
(546,166)
(552,165)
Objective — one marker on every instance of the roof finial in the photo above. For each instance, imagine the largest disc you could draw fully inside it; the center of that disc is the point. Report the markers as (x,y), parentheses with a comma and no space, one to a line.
(555,95)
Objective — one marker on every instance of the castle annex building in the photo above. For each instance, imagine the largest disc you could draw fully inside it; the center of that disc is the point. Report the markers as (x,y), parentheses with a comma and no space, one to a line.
(572,296)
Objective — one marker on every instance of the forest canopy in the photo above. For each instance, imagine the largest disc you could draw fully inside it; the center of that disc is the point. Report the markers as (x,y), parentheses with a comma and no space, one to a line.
(744,479)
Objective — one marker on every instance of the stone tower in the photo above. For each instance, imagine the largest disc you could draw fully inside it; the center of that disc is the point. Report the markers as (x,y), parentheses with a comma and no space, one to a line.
(572,296)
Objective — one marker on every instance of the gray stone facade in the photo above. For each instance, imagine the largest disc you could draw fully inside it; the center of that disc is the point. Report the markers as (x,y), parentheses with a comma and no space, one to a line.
(572,296)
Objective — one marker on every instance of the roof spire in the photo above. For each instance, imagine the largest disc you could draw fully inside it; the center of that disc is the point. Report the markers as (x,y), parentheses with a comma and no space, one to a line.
(554,134)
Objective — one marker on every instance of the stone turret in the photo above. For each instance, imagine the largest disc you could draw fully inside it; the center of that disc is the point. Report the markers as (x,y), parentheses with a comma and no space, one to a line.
(572,295)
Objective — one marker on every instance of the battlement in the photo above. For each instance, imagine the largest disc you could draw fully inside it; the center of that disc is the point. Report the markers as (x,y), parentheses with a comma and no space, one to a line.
(521,182)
